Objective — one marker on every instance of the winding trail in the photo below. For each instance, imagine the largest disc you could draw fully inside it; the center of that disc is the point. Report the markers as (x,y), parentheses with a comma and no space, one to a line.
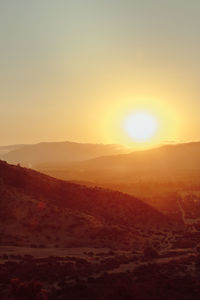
(182,212)
(187,221)
(132,266)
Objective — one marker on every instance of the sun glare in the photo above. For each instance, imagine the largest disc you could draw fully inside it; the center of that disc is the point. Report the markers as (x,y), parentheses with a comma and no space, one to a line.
(141,126)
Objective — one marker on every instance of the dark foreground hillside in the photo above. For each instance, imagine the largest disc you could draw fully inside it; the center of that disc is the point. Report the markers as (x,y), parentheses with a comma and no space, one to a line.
(37,209)
(61,240)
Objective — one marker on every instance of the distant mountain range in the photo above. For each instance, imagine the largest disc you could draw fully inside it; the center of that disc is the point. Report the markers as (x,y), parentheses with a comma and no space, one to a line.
(56,153)
(77,161)
(37,210)
(170,161)
(9,148)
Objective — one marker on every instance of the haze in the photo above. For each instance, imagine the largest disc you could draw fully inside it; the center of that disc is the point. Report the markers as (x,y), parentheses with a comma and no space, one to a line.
(74,70)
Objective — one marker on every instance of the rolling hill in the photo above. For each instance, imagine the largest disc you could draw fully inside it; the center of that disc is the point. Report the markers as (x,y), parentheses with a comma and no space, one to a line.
(9,148)
(170,161)
(36,209)
(58,153)
(157,176)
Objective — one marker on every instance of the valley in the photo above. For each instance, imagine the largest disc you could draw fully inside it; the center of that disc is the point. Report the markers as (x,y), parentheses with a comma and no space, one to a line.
(101,234)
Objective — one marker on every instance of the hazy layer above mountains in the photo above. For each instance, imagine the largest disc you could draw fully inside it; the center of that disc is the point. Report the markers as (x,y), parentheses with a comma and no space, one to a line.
(57,153)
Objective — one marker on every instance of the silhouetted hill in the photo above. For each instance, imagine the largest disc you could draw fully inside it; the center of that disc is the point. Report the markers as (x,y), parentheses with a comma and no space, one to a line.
(38,209)
(59,153)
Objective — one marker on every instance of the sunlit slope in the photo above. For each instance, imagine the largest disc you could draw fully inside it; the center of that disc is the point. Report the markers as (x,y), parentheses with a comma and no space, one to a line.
(38,209)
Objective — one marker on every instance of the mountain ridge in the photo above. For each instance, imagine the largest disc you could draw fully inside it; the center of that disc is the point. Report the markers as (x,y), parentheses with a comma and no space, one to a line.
(59,152)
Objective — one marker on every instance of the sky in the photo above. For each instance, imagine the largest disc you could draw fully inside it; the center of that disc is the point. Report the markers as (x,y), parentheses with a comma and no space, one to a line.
(75,70)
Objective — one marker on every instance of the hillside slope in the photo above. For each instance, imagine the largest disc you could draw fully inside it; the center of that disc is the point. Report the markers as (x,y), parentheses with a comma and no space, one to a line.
(38,209)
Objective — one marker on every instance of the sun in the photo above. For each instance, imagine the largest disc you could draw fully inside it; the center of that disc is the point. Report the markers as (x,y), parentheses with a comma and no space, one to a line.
(141,126)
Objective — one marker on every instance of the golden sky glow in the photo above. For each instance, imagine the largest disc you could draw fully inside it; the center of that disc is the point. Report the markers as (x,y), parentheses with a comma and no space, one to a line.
(167,122)
(75,70)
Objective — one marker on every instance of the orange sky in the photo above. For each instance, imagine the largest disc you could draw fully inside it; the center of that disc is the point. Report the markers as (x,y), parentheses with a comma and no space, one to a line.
(74,70)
